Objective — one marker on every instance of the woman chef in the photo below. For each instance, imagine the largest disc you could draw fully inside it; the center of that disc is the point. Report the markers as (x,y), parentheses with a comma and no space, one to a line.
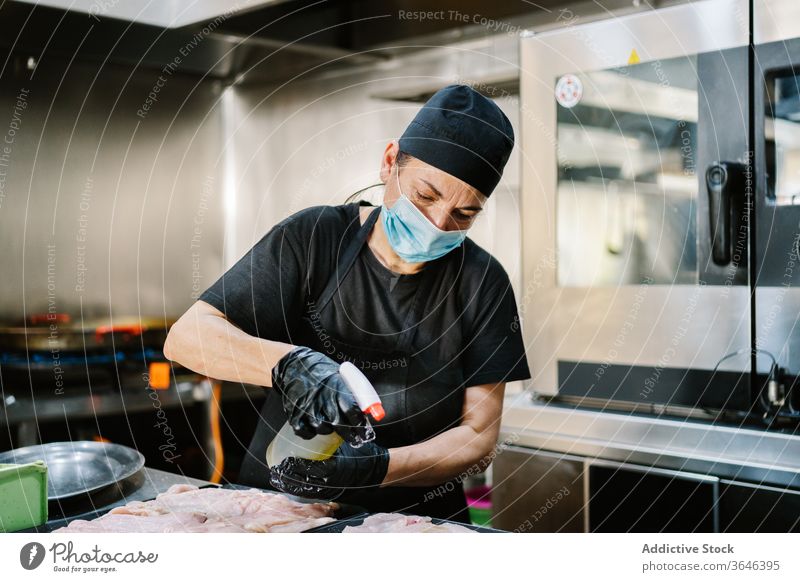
(425,313)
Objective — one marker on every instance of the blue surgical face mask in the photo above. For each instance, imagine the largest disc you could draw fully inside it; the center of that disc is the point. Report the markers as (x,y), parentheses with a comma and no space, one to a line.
(412,236)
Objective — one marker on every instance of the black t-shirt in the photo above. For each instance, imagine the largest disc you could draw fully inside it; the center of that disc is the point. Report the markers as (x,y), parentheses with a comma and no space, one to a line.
(270,288)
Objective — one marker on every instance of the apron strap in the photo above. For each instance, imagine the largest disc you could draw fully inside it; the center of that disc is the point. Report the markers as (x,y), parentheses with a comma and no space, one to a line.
(347,258)
(424,297)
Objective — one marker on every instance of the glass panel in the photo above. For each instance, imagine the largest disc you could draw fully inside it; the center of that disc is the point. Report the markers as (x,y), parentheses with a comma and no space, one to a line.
(626,175)
(783,140)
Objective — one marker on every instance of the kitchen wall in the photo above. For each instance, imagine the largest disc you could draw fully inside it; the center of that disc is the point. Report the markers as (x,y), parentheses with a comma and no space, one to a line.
(109,199)
(126,191)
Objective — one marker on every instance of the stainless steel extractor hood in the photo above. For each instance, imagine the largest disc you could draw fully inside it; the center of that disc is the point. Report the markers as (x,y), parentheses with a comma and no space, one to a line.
(164,13)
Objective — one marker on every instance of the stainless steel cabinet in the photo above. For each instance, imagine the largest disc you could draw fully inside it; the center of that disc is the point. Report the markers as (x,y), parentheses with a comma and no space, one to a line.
(543,491)
(537,491)
(623,497)
(747,508)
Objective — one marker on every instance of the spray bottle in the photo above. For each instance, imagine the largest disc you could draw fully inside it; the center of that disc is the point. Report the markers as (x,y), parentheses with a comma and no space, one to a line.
(287,444)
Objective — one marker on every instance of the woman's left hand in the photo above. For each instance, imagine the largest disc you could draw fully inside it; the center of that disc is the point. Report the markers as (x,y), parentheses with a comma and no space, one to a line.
(348,468)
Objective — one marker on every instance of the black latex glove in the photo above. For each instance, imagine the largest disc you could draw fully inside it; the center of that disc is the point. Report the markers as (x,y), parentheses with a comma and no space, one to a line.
(316,397)
(349,468)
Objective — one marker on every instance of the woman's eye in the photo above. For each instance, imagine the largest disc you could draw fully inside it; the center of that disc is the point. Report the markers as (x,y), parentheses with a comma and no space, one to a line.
(424,197)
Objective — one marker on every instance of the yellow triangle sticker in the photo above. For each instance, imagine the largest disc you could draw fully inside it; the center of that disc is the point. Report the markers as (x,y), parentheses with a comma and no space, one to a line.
(634,58)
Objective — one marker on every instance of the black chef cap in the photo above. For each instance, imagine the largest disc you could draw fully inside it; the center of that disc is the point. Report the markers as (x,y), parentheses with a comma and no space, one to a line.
(461,132)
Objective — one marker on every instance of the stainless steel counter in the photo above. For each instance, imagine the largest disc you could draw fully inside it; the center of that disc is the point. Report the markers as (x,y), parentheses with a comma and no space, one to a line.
(759,456)
(89,404)
(23,414)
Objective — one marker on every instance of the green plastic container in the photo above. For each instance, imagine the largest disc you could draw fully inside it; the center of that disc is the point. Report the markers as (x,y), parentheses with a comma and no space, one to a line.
(23,496)
(479,504)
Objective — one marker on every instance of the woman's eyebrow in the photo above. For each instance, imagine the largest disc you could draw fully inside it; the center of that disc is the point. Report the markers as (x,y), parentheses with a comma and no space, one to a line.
(440,195)
(432,187)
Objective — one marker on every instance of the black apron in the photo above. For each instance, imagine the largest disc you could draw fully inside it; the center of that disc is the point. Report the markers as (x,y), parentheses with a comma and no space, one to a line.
(420,381)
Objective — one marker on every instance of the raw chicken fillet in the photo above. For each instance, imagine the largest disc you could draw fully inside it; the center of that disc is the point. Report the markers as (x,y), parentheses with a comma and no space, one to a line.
(399,523)
(185,508)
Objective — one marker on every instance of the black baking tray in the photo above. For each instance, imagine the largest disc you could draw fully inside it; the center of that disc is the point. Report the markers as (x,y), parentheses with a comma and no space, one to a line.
(58,518)
(339,525)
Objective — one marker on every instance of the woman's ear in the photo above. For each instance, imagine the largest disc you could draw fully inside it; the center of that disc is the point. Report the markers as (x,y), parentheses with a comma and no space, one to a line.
(388,160)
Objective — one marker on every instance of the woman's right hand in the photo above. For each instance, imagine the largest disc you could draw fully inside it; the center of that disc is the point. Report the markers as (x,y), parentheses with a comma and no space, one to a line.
(316,398)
